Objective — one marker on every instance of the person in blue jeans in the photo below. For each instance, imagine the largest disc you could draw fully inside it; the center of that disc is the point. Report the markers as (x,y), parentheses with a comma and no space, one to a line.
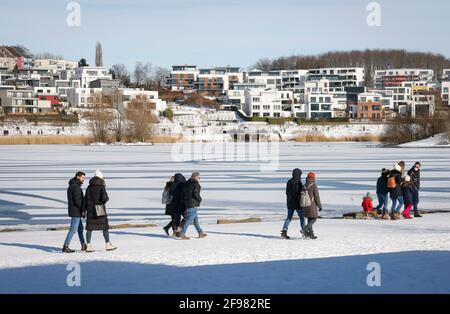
(192,201)
(293,188)
(75,199)
(395,192)
(382,192)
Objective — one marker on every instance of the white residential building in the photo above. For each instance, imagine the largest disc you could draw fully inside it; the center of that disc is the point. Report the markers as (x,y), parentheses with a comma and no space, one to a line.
(263,103)
(320,106)
(271,79)
(395,77)
(81,97)
(125,95)
(236,96)
(55,65)
(338,78)
(216,82)
(22,101)
(88,74)
(445,93)
(446,75)
(294,80)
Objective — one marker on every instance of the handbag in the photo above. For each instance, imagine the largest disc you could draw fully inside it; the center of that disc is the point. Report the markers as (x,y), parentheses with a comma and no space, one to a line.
(100,210)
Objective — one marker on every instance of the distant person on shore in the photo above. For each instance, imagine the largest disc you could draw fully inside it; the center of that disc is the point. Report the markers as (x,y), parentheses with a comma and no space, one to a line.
(177,205)
(75,201)
(414,173)
(382,193)
(94,206)
(310,199)
(293,189)
(408,192)
(395,191)
(192,201)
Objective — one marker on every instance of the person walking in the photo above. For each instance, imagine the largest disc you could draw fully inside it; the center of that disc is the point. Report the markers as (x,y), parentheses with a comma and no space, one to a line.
(408,191)
(312,211)
(177,205)
(94,206)
(414,173)
(167,199)
(382,193)
(293,189)
(192,201)
(395,191)
(75,201)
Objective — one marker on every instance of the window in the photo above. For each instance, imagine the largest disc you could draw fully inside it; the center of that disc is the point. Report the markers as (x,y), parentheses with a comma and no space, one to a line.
(446,90)
(266,114)
(325,107)
(313,99)
(314,107)
(327,99)
(376,108)
(255,99)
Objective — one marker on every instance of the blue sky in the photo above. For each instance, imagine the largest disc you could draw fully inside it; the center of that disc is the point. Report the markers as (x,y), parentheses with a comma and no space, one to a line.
(208,32)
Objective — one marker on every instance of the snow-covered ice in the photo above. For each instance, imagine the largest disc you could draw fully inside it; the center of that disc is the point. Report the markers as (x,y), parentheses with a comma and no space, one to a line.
(413,254)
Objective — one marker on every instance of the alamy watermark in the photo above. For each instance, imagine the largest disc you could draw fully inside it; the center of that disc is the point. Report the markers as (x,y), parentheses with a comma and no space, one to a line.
(374,16)
(374,277)
(73,278)
(73,18)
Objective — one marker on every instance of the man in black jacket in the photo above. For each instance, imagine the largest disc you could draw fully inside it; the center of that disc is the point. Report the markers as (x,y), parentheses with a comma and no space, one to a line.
(293,188)
(382,191)
(192,200)
(414,173)
(75,200)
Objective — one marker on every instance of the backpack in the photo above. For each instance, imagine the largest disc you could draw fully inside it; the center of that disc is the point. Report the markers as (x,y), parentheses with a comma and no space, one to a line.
(305,199)
(391,183)
(166,197)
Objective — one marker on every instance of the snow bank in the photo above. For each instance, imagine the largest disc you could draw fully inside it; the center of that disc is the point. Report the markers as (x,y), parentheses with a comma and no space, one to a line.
(440,140)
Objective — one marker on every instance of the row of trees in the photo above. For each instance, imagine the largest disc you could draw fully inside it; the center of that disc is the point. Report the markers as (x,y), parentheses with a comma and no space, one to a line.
(371,60)
(132,124)
(145,75)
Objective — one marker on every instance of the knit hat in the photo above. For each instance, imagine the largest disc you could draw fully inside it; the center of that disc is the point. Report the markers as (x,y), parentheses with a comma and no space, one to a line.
(311,175)
(397,167)
(99,174)
(407,178)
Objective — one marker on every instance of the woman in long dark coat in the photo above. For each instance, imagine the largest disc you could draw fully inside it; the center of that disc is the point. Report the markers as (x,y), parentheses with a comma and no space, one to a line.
(176,206)
(96,195)
(311,212)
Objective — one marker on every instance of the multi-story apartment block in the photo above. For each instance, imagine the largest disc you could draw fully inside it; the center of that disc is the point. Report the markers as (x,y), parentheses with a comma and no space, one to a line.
(122,97)
(236,96)
(395,77)
(263,103)
(47,93)
(338,78)
(320,106)
(215,82)
(182,77)
(55,65)
(271,79)
(369,107)
(294,80)
(445,93)
(88,74)
(22,101)
(82,97)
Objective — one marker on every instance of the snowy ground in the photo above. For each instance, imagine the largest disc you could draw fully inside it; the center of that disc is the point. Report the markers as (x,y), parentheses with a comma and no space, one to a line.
(413,256)
(439,140)
(34,179)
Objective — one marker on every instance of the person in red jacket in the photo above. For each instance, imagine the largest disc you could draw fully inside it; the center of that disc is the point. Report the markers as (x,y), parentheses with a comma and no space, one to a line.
(367,204)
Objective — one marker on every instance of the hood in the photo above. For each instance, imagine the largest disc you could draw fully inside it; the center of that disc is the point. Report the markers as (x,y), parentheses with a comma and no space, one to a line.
(296,173)
(96,181)
(74,181)
(179,178)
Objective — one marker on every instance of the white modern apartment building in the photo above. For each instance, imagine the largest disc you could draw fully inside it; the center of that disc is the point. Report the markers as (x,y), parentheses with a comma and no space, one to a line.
(395,77)
(263,103)
(182,77)
(294,80)
(338,78)
(82,97)
(236,96)
(271,79)
(123,97)
(88,74)
(320,106)
(387,98)
(446,75)
(55,65)
(445,93)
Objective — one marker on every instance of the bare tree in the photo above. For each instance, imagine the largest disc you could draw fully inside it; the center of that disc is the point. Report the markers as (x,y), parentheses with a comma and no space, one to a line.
(98,55)
(142,73)
(100,117)
(159,76)
(120,72)
(140,119)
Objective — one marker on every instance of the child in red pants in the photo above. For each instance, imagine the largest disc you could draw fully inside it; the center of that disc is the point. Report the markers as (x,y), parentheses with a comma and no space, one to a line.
(407,190)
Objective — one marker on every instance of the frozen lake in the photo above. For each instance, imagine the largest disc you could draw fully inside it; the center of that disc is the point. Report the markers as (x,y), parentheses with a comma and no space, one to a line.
(34,180)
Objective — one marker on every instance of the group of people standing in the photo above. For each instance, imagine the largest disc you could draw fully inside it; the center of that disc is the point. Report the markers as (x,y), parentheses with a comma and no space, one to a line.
(90,206)
(402,187)
(182,199)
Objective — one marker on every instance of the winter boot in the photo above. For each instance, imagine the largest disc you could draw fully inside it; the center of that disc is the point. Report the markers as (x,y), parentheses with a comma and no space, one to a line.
(303,234)
(202,235)
(66,249)
(89,248)
(385,215)
(83,247)
(183,237)
(393,216)
(166,230)
(284,235)
(177,234)
(306,233)
(110,247)
(417,215)
(312,236)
